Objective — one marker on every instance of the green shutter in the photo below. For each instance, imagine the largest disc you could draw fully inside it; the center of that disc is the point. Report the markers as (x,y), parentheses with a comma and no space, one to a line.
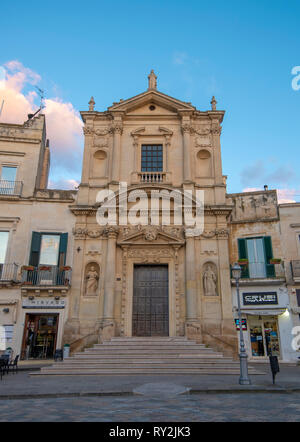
(63,249)
(270,269)
(242,247)
(35,249)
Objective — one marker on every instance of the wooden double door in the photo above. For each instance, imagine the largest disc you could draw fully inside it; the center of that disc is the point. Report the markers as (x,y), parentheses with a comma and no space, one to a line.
(150,314)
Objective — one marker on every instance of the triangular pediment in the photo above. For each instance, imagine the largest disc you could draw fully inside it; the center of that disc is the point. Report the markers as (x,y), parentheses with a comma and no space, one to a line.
(164,104)
(150,235)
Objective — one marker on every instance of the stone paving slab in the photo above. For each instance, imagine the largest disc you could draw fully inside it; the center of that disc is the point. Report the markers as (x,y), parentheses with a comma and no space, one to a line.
(21,385)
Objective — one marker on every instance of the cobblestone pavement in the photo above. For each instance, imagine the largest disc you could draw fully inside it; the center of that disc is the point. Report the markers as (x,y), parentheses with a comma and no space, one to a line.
(258,407)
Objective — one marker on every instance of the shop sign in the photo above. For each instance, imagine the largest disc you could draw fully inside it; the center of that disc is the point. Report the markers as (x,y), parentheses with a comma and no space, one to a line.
(244,324)
(43,303)
(260,298)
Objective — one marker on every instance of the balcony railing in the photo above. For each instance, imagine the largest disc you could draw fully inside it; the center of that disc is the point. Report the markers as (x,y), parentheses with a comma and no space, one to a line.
(261,270)
(46,276)
(152,177)
(8,272)
(11,188)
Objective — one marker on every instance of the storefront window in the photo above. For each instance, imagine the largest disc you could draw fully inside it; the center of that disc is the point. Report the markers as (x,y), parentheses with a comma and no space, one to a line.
(264,336)
(256,336)
(40,336)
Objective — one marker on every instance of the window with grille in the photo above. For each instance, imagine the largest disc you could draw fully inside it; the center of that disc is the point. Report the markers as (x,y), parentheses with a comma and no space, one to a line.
(152,158)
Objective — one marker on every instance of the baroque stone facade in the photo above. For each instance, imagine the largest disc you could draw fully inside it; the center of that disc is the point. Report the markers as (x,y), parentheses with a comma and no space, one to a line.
(154,143)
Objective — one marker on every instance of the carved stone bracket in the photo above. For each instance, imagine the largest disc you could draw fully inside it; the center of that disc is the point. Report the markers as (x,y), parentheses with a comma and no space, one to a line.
(84,233)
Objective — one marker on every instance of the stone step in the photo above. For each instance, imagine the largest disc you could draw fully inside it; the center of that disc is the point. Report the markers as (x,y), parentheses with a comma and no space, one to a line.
(150,338)
(148,347)
(154,366)
(155,343)
(129,356)
(160,359)
(143,370)
(183,357)
(134,351)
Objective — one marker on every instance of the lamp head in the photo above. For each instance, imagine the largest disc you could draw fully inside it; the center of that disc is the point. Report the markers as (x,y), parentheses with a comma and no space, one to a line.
(236,271)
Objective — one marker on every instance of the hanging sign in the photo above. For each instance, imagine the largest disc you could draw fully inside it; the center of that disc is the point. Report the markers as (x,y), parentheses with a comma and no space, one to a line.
(244,324)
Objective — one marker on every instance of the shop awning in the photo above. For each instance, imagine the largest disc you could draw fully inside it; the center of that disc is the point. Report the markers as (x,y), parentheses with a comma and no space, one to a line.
(269,312)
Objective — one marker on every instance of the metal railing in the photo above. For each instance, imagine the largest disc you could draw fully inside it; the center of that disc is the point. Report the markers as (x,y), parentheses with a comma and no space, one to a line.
(11,187)
(8,272)
(257,270)
(152,177)
(46,276)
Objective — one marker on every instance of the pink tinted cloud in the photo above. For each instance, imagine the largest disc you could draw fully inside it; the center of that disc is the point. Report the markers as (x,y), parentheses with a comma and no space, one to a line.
(63,123)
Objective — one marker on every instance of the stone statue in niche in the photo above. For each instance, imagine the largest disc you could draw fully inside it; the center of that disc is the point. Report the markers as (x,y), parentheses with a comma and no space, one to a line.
(210,281)
(92,281)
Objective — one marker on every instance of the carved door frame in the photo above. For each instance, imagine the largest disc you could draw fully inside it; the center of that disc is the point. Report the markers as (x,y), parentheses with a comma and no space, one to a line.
(151,255)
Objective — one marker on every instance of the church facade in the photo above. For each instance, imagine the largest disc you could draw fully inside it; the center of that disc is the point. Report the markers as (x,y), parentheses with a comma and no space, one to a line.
(79,280)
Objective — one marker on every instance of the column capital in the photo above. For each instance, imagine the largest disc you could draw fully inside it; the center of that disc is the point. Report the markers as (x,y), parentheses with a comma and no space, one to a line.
(112,232)
(117,127)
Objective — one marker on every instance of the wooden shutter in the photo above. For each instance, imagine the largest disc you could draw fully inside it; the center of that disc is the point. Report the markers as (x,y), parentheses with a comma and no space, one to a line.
(243,254)
(270,269)
(63,244)
(35,249)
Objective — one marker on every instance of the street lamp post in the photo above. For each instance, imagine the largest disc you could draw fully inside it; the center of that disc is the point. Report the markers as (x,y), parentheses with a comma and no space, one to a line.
(244,378)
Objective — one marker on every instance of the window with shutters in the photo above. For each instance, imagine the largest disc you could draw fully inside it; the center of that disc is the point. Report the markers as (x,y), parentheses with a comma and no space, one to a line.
(258,252)
(48,249)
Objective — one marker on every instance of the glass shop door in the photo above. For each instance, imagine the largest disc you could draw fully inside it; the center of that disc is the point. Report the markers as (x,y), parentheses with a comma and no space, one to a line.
(40,334)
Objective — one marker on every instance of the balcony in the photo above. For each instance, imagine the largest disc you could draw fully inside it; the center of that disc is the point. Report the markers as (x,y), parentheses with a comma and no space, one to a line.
(295,269)
(261,273)
(46,276)
(11,188)
(152,177)
(8,273)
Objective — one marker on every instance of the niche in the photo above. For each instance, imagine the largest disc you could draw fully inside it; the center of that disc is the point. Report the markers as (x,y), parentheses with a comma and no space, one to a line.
(203,163)
(91,279)
(99,164)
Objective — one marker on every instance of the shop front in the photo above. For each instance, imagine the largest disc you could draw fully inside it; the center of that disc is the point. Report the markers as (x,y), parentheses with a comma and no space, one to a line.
(43,322)
(264,336)
(267,323)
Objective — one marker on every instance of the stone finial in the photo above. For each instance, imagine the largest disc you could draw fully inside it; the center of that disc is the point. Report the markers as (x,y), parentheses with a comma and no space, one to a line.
(91,104)
(152,81)
(213,103)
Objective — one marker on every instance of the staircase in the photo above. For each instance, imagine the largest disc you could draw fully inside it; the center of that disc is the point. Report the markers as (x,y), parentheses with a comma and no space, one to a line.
(129,356)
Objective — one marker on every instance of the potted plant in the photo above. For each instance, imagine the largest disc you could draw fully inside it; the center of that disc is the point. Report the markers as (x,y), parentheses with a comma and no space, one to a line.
(243,262)
(65,268)
(45,268)
(275,261)
(28,268)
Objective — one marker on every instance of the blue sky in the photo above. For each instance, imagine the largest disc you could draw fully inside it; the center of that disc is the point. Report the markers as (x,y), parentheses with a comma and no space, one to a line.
(240,51)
